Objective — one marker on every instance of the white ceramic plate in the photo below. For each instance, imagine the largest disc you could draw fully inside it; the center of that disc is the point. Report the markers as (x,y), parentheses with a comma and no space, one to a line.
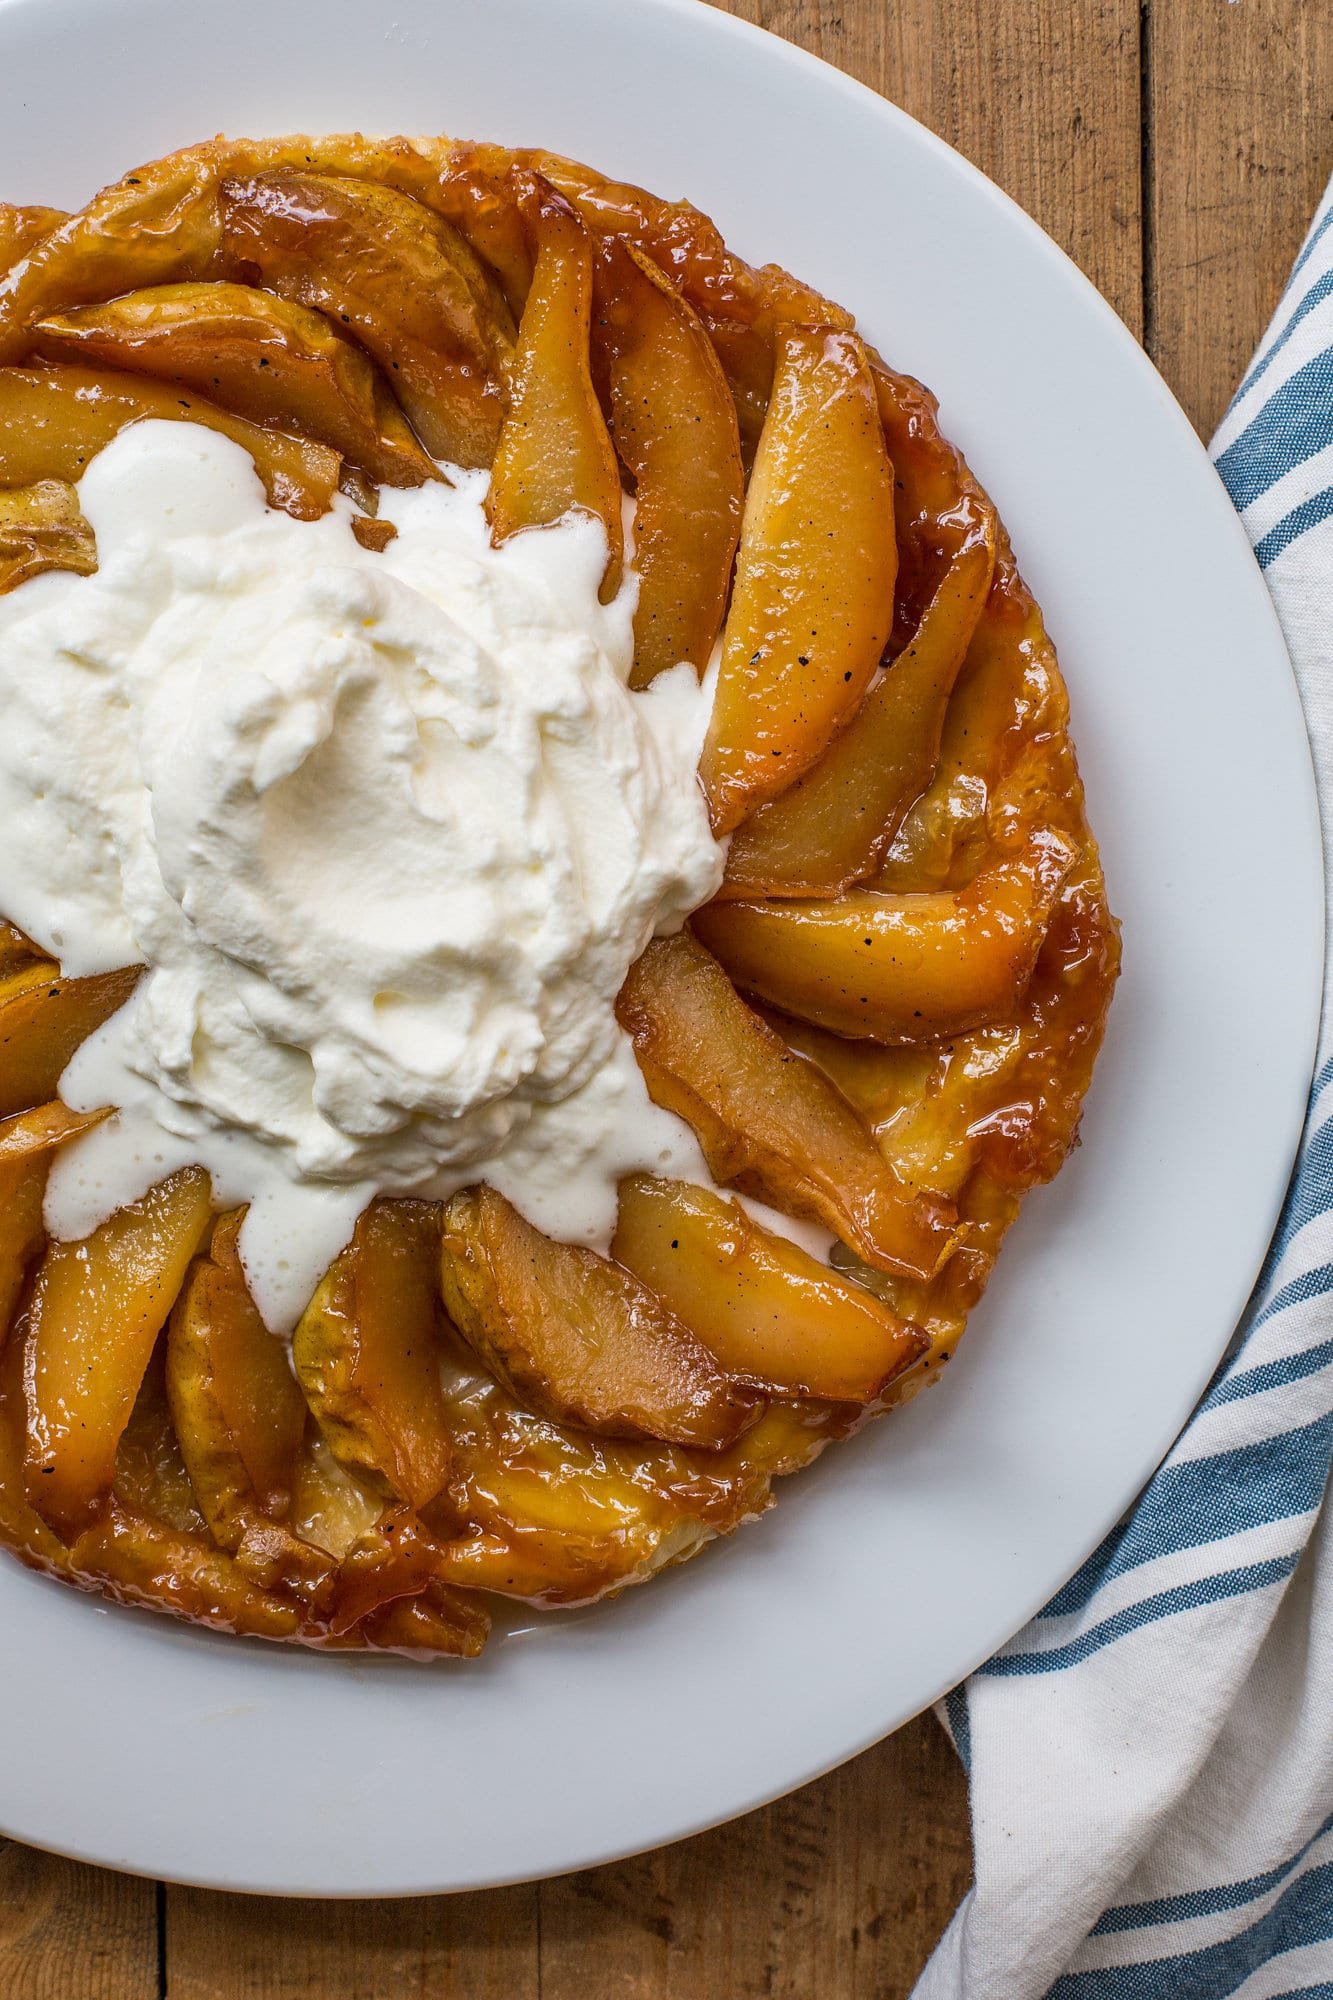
(903,1559)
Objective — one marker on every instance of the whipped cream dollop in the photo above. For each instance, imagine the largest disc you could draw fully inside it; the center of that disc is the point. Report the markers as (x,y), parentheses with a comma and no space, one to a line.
(387,830)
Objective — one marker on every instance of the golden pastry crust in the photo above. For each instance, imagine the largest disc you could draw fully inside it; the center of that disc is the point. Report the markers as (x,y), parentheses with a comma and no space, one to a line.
(887,1020)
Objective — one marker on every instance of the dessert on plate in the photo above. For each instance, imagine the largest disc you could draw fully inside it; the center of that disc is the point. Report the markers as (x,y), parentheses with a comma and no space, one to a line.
(551,923)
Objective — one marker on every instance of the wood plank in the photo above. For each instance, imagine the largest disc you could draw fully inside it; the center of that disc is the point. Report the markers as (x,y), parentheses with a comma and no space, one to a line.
(1242,124)
(1042,96)
(481,1947)
(73,1933)
(837,1893)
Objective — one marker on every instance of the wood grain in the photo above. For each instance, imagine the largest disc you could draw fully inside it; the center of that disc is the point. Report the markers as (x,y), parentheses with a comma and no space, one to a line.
(1042,95)
(426,1948)
(73,1933)
(837,1893)
(1240,101)
(1175,149)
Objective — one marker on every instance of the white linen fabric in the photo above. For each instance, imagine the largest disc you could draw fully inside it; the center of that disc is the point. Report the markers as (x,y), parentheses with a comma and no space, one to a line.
(1151,1759)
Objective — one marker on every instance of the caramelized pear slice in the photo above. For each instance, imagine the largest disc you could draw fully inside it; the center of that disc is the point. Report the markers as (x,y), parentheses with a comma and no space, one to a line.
(275,363)
(761,1304)
(836,824)
(39,1131)
(743,309)
(151,1478)
(22,1187)
(21,1529)
(157,224)
(21,228)
(97,1310)
(410,288)
(674,427)
(395,1559)
(383,1557)
(161,224)
(479,193)
(42,528)
(18,953)
(374,535)
(556,1516)
(575,1337)
(884,1084)
(43,1019)
(26,1146)
(812,605)
(768,1122)
(367,1353)
(897,967)
(238,1412)
(554,454)
(54,421)
(437,1622)
(142,1561)
(331,1507)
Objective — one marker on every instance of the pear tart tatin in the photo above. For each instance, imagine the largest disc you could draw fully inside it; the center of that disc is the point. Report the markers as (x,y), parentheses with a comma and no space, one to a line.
(884,1023)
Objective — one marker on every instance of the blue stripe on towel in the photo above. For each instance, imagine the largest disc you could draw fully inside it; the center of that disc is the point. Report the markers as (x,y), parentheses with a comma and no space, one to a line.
(1299,521)
(1318,292)
(1190,1596)
(1311,1191)
(1294,424)
(1205,1902)
(960,1725)
(1302,1915)
(1315,238)
(1276,1374)
(1298,1291)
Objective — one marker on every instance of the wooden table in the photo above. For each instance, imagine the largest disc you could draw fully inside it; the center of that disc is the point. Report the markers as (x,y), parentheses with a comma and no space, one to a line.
(1176,149)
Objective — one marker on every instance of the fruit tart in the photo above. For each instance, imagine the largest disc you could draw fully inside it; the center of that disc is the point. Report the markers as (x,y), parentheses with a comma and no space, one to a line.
(551,920)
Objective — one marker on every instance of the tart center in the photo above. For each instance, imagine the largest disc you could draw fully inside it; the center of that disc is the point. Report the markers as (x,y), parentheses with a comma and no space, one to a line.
(387,829)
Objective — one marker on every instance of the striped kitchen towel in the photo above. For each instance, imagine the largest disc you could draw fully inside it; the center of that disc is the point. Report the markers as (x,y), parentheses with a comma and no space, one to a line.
(1151,1759)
